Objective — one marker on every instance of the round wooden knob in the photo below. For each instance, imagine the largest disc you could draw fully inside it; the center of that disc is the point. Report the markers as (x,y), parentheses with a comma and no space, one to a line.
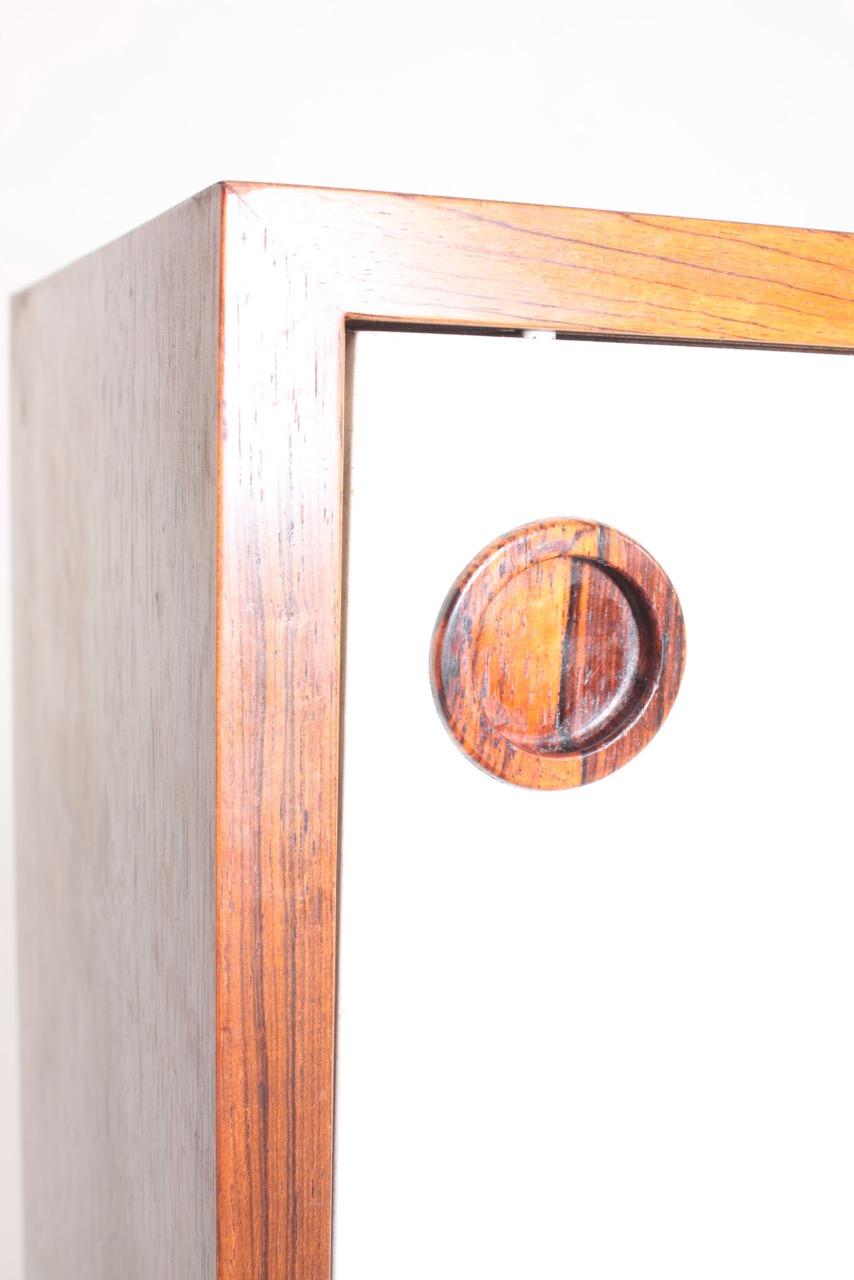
(557,653)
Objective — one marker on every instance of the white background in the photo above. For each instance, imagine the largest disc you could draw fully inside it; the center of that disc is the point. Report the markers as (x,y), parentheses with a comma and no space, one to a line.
(110,112)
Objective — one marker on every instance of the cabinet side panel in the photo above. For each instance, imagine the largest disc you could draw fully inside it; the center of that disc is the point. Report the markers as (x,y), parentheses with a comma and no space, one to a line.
(114,473)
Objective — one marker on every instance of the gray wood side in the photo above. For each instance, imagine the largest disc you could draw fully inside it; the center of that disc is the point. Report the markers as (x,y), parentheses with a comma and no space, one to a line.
(114,475)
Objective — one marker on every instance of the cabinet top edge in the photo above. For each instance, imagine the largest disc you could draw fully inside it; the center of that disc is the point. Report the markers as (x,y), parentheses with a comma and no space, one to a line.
(247,190)
(360,195)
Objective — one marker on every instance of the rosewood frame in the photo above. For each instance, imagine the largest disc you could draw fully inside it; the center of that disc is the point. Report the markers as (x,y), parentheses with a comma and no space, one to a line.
(299,266)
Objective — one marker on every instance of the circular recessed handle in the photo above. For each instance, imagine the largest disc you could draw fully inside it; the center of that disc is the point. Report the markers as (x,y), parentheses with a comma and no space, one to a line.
(557,653)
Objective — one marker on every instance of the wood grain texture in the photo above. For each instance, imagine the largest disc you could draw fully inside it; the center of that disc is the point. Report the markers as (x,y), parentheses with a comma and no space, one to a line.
(114,429)
(116,411)
(300,265)
(432,260)
(277,756)
(558,654)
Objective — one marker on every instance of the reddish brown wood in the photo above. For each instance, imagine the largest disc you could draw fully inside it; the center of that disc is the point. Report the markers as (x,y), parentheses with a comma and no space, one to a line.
(299,265)
(558,653)
(277,759)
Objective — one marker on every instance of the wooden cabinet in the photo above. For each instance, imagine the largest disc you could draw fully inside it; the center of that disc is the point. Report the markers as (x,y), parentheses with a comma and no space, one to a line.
(182,425)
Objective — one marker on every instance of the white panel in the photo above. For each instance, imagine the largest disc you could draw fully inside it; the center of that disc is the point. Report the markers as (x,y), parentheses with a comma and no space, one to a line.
(602,1033)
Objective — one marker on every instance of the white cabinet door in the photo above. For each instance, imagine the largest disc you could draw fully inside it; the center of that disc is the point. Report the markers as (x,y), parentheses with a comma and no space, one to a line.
(602,1033)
